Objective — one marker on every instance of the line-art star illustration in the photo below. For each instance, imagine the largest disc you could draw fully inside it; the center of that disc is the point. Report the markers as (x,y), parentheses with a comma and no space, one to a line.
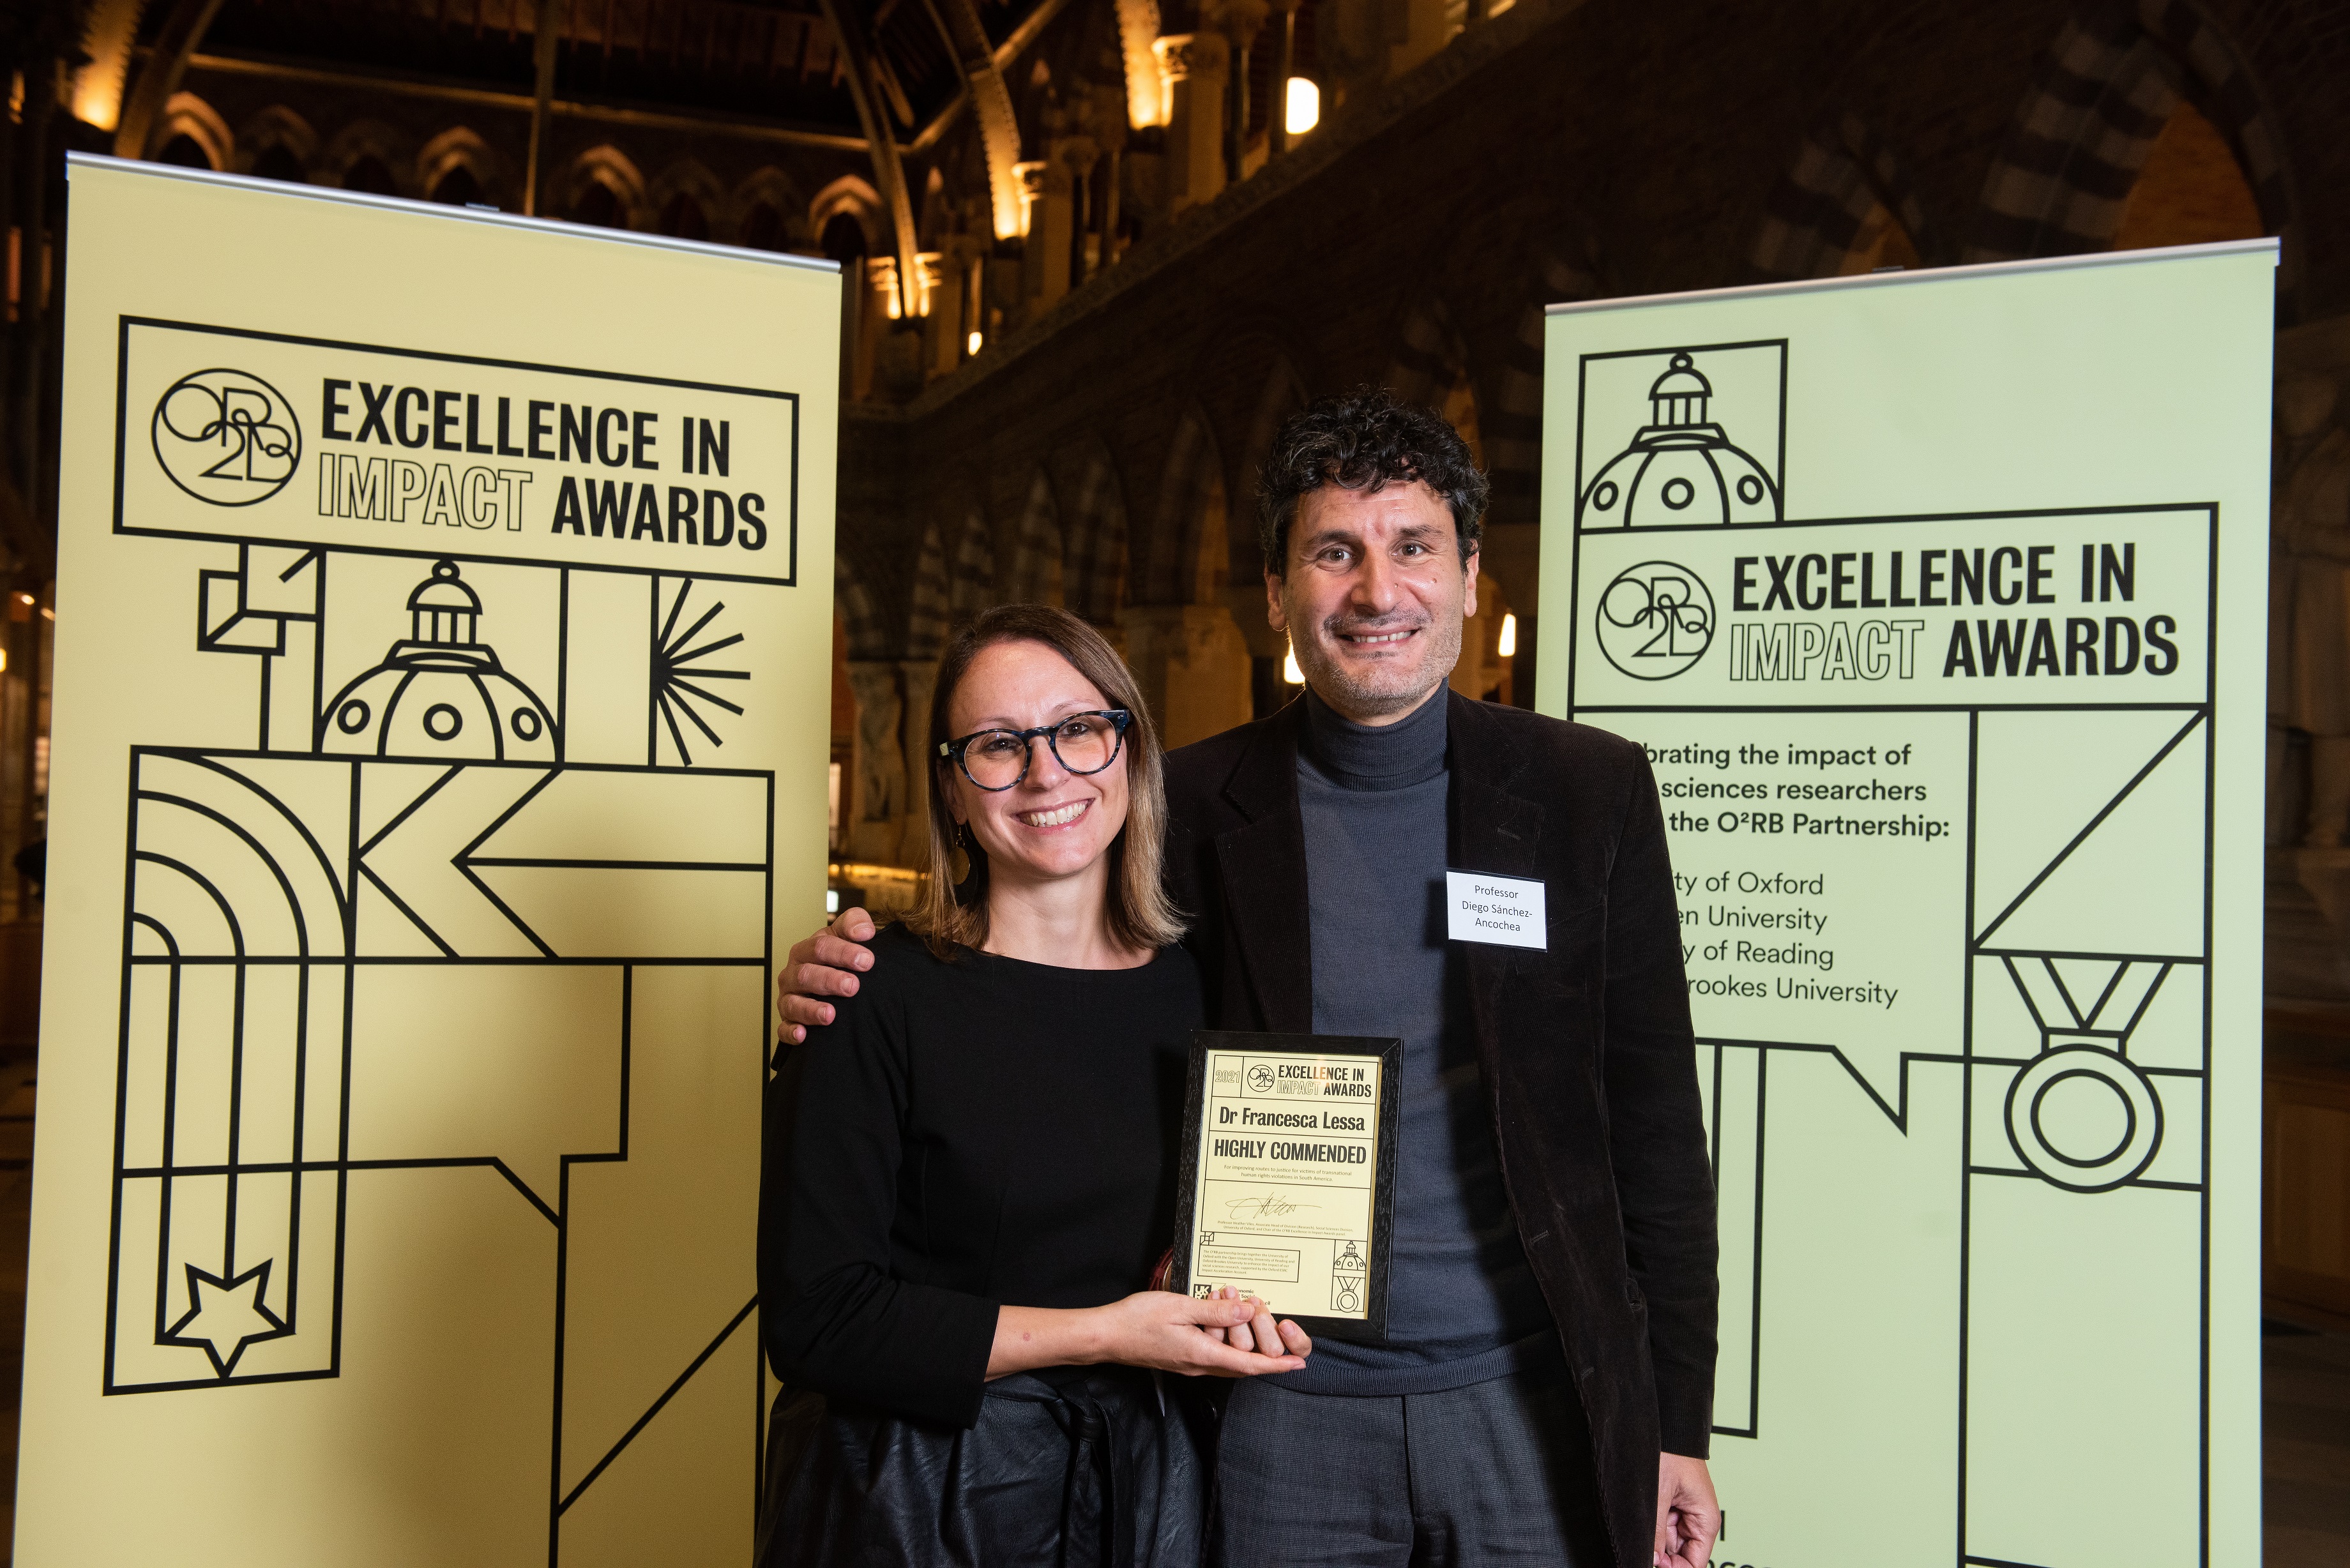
(227,1315)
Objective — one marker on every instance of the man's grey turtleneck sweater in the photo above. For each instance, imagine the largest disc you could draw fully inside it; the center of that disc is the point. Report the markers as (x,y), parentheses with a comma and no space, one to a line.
(1462,1305)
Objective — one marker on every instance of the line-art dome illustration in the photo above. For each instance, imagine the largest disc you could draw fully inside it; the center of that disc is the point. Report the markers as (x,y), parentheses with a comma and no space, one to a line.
(441,691)
(1681,468)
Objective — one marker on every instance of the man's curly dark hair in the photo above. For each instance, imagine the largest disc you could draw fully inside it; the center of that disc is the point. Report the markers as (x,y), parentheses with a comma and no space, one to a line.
(1366,440)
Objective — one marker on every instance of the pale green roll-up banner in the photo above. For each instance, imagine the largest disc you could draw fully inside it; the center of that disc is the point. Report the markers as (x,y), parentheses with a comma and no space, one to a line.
(1937,600)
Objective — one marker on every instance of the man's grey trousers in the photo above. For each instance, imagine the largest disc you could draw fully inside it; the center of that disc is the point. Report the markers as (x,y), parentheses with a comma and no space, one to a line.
(1495,1472)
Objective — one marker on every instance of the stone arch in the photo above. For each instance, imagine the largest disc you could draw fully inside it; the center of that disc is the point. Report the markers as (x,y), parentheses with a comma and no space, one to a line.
(1511,424)
(1191,507)
(1281,396)
(460,147)
(970,576)
(274,126)
(858,199)
(935,213)
(2108,86)
(364,139)
(932,613)
(879,789)
(1847,204)
(185,114)
(1188,654)
(1431,352)
(690,179)
(770,187)
(869,634)
(1036,575)
(1431,366)
(2309,609)
(1093,573)
(607,166)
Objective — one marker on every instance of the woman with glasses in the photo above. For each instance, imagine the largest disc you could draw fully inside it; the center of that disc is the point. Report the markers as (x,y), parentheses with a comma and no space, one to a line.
(969,1175)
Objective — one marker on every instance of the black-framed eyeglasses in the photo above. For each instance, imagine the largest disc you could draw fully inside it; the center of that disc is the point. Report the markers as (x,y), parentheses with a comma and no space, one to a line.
(1082,743)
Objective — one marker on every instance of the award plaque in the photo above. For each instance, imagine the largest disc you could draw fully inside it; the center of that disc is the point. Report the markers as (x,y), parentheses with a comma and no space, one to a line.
(1287,1190)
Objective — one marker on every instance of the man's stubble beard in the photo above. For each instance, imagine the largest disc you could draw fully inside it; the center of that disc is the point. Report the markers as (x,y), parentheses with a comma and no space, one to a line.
(1389,691)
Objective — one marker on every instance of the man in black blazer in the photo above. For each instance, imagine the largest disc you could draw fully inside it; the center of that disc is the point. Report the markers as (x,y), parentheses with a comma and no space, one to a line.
(1546,1394)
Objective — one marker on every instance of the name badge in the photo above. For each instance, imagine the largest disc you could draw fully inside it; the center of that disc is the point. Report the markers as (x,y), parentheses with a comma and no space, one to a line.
(1504,910)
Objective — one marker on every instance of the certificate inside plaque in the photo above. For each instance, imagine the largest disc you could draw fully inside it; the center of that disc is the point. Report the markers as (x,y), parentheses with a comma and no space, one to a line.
(1288,1185)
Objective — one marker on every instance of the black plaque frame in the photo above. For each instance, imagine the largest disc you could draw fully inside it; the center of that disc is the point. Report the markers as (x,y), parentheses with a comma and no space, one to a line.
(1371,1329)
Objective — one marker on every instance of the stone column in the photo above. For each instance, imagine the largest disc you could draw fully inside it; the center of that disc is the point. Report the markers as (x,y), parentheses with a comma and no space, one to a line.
(1193,68)
(877,797)
(1071,165)
(942,328)
(1030,176)
(920,678)
(1192,664)
(1426,30)
(1053,214)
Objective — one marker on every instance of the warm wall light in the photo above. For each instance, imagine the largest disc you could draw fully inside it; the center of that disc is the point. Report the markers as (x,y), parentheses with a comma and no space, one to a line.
(1289,671)
(1304,110)
(1509,646)
(972,343)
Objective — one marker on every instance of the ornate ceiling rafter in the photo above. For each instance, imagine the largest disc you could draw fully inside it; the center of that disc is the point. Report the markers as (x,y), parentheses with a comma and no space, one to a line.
(888,173)
(999,129)
(183,29)
(885,78)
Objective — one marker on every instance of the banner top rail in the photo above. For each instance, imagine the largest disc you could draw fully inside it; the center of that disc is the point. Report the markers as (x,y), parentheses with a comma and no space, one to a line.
(93,161)
(2269,242)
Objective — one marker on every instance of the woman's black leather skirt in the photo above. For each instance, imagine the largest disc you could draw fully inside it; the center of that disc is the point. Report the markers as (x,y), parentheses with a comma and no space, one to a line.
(1103,1467)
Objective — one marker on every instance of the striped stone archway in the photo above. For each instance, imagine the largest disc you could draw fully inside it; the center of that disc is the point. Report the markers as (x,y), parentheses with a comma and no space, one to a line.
(1283,396)
(1093,569)
(1187,488)
(2109,84)
(930,613)
(1036,569)
(1512,420)
(1845,178)
(970,572)
(1431,355)
(860,612)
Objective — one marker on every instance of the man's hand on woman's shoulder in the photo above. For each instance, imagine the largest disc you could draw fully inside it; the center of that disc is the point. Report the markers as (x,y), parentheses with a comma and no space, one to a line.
(823,963)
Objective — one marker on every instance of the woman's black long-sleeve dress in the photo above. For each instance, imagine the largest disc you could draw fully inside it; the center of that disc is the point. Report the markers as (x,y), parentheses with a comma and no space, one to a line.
(967,1134)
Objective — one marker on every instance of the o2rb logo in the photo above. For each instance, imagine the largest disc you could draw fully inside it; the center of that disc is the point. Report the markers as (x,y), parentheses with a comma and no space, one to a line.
(1654,621)
(226,437)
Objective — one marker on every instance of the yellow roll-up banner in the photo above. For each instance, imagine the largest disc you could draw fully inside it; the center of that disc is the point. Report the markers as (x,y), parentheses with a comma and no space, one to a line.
(443,650)
(1938,601)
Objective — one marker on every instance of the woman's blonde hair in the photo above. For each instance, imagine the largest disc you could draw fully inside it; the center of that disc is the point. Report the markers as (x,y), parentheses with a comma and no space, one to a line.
(951,914)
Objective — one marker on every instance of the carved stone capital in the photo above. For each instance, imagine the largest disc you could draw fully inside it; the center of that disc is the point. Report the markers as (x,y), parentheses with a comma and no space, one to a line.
(1182,56)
